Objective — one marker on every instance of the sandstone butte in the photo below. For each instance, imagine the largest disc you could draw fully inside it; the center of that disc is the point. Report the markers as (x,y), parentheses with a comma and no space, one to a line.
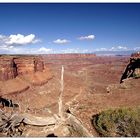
(18,73)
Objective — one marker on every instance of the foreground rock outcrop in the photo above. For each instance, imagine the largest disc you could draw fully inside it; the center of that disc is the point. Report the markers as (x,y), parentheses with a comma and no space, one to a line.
(133,68)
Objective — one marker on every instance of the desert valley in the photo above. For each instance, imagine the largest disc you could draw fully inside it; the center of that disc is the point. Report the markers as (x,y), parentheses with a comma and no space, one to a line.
(57,95)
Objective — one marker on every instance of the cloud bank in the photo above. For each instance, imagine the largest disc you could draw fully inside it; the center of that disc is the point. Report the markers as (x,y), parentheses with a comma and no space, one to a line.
(117,48)
(12,45)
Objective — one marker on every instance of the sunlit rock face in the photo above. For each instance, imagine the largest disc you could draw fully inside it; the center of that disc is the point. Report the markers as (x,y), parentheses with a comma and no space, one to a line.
(18,73)
(12,66)
(7,68)
(29,65)
(39,64)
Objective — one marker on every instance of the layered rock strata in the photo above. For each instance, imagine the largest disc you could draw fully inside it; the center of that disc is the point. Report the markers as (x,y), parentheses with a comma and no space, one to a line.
(10,67)
(18,73)
(27,65)
(7,68)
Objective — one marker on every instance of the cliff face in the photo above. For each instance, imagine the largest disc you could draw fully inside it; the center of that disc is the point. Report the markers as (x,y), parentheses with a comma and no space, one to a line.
(7,69)
(10,67)
(39,64)
(27,65)
(18,73)
(24,65)
(133,68)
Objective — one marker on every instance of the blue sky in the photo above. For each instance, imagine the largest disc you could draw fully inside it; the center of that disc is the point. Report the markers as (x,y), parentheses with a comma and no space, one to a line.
(69,28)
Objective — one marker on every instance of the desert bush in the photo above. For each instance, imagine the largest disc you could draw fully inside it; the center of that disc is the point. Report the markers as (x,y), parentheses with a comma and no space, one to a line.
(122,122)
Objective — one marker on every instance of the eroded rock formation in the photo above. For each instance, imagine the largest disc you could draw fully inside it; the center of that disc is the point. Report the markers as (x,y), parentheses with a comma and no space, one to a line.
(10,67)
(18,73)
(7,68)
(28,64)
(133,68)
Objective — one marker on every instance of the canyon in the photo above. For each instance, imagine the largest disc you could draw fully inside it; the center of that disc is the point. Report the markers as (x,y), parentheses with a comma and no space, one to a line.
(91,84)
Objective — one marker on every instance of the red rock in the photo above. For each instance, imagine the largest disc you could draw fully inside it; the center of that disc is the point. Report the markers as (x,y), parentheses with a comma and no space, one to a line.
(18,73)
(39,64)
(7,68)
(12,66)
(70,55)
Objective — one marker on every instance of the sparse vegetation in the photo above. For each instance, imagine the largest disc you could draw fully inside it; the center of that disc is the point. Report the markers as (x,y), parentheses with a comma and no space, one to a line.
(124,122)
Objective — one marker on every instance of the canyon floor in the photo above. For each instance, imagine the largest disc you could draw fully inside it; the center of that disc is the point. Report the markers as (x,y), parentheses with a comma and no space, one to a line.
(90,86)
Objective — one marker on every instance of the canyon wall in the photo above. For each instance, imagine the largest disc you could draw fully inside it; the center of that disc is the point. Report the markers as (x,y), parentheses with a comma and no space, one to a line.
(12,66)
(7,68)
(26,65)
(19,72)
(69,56)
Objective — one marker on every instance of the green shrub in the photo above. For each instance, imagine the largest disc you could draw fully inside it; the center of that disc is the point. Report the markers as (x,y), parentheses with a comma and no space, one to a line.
(123,122)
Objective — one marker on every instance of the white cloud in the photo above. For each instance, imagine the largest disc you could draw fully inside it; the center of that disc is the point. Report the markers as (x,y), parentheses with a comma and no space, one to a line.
(6,48)
(89,37)
(25,50)
(21,39)
(75,50)
(101,49)
(61,41)
(86,51)
(119,48)
(68,50)
(44,50)
(8,42)
(14,50)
